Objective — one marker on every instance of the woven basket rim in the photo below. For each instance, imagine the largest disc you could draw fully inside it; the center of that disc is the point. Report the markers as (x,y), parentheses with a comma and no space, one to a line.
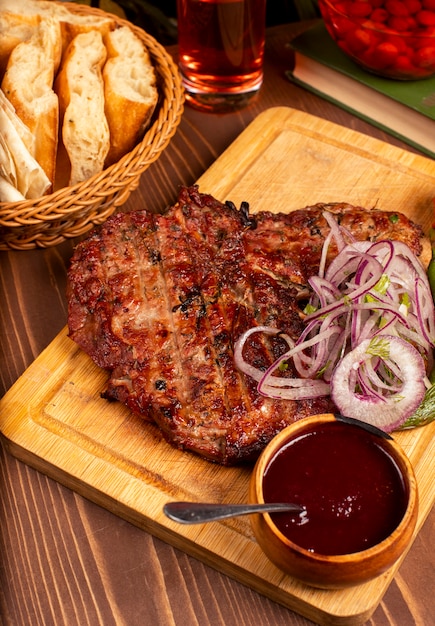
(125,172)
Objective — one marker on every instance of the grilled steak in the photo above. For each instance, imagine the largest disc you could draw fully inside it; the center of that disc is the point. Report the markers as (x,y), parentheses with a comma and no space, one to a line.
(159,300)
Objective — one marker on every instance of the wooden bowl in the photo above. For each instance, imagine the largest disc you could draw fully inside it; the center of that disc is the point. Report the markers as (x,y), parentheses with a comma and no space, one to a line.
(366,549)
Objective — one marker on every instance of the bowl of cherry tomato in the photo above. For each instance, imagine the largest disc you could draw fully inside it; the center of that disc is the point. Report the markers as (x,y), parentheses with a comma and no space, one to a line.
(390,38)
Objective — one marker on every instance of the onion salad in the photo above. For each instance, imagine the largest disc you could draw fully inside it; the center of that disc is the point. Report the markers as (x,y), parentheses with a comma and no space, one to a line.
(368,338)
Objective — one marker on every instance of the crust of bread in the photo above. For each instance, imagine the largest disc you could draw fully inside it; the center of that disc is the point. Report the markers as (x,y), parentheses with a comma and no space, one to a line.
(48,8)
(14,29)
(73,27)
(72,24)
(28,85)
(80,89)
(130,91)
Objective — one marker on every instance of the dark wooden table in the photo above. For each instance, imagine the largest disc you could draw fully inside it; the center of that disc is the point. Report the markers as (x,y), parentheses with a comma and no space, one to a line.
(65,560)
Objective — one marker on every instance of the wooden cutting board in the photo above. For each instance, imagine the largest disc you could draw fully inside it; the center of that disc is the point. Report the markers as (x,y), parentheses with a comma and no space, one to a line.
(54,419)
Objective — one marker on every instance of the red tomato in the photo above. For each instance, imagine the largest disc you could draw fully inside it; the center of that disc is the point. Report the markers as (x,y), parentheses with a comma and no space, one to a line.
(379,15)
(358,9)
(385,54)
(413,6)
(358,40)
(396,8)
(425,57)
(425,18)
(400,24)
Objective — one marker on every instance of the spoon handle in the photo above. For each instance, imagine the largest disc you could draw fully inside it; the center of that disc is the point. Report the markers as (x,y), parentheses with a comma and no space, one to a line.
(198,513)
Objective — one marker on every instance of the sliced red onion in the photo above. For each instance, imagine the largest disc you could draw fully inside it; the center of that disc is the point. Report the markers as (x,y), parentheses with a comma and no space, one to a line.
(325,290)
(322,264)
(339,233)
(240,362)
(270,378)
(304,390)
(392,409)
(371,292)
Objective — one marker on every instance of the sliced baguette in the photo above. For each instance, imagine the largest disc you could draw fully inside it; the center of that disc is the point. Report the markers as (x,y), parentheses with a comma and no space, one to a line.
(28,85)
(72,24)
(80,88)
(130,91)
(14,29)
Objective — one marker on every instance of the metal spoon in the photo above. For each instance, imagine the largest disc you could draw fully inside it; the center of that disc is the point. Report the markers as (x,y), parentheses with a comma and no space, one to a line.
(198,513)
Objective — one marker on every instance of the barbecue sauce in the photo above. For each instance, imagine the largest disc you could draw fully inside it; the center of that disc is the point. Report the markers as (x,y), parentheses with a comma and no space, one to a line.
(352,489)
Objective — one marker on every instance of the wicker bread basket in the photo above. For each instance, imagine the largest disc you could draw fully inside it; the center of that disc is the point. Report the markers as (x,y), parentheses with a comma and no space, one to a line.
(72,211)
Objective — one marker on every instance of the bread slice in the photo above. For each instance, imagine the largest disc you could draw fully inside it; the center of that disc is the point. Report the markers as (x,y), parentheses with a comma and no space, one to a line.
(71,23)
(14,29)
(48,8)
(80,88)
(28,85)
(130,90)
(75,25)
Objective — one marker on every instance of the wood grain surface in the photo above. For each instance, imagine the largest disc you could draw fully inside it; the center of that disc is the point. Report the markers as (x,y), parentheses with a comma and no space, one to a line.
(54,419)
(66,560)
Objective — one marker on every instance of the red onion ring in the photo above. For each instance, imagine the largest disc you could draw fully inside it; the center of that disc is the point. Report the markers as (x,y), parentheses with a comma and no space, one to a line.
(371,292)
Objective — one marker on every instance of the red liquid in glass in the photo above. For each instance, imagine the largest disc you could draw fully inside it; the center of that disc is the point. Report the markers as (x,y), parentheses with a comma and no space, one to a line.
(221,45)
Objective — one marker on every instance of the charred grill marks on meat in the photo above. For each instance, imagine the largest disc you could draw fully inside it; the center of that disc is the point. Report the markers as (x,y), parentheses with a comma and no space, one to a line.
(159,300)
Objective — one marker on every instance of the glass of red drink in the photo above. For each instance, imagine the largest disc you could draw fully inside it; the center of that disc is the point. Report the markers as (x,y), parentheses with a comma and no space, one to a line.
(221,44)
